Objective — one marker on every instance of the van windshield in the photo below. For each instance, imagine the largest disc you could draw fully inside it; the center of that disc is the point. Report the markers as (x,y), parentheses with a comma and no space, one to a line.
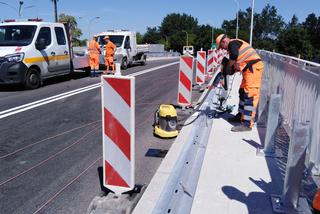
(16,35)
(116,39)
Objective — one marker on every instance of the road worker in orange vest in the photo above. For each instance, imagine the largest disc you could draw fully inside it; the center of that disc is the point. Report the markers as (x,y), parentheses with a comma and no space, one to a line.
(243,58)
(110,49)
(94,52)
(316,202)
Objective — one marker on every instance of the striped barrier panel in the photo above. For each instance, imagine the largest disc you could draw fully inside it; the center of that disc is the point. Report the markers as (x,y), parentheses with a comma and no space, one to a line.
(210,61)
(201,67)
(185,80)
(118,107)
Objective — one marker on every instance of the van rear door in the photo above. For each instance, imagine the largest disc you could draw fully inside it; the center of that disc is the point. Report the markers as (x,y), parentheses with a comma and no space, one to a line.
(62,50)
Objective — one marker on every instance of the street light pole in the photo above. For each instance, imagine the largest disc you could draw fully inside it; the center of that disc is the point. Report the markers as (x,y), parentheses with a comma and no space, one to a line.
(3,3)
(89,24)
(251,29)
(20,9)
(187,36)
(237,28)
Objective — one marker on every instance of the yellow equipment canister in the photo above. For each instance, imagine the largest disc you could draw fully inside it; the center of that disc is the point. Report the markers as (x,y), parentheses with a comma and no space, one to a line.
(165,121)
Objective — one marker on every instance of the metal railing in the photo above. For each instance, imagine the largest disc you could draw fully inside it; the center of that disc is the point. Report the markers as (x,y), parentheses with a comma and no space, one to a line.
(298,83)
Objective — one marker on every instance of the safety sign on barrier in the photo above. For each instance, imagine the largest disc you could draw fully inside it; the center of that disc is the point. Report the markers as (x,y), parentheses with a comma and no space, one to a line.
(201,66)
(185,80)
(210,61)
(118,107)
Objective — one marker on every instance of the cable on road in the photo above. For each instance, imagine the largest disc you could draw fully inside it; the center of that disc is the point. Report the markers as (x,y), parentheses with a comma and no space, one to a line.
(49,158)
(49,138)
(66,186)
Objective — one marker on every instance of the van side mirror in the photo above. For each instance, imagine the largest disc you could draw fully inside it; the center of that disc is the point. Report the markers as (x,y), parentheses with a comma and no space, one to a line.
(41,44)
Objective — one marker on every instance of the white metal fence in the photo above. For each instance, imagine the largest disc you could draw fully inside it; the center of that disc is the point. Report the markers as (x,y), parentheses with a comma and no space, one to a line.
(298,81)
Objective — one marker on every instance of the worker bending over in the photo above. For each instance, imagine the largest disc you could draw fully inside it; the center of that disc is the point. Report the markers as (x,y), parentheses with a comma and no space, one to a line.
(94,53)
(243,58)
(110,49)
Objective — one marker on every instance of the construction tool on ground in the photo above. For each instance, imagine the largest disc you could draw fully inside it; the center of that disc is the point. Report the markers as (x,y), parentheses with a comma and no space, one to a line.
(165,121)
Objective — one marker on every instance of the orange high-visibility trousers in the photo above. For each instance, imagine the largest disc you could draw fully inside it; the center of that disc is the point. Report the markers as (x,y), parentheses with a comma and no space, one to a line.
(94,61)
(249,93)
(109,62)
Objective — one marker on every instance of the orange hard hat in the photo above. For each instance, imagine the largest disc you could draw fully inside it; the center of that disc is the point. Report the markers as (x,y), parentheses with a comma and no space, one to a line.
(106,37)
(219,39)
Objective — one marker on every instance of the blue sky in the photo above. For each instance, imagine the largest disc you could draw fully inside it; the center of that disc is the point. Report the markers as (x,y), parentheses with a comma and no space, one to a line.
(137,15)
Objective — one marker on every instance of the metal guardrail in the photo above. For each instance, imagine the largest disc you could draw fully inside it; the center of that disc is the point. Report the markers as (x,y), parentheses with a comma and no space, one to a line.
(178,194)
(298,83)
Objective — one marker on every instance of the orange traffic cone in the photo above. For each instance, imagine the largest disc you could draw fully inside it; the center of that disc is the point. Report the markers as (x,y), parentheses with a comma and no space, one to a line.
(316,202)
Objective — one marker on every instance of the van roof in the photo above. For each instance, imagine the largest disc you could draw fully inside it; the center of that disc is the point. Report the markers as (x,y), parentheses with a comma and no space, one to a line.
(30,23)
(116,32)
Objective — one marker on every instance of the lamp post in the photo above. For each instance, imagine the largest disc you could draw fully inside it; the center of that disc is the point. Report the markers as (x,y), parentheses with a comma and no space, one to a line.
(187,36)
(19,10)
(89,24)
(251,28)
(166,44)
(3,3)
(237,28)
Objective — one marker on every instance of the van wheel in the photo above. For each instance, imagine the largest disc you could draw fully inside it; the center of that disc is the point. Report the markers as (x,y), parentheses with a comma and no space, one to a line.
(124,64)
(33,79)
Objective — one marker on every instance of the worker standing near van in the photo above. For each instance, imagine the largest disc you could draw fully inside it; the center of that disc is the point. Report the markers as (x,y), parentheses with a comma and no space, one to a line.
(110,49)
(94,52)
(243,58)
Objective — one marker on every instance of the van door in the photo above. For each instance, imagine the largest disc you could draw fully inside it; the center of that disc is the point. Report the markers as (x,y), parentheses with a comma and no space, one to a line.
(129,49)
(46,61)
(62,51)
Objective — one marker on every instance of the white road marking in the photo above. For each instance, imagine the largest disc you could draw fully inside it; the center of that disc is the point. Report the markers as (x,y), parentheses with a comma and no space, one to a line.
(28,106)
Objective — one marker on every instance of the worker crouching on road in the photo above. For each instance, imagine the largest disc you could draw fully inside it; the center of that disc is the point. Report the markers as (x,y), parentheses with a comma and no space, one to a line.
(110,49)
(94,52)
(244,59)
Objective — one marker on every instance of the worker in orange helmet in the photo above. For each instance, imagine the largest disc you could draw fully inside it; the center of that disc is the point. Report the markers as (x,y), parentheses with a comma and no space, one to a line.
(110,49)
(243,58)
(94,52)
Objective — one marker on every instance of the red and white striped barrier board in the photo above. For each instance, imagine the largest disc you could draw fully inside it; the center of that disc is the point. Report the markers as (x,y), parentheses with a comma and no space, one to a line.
(185,80)
(118,106)
(218,55)
(201,67)
(210,61)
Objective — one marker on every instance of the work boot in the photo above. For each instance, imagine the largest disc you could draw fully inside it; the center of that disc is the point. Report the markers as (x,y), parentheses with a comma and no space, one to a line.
(235,119)
(241,128)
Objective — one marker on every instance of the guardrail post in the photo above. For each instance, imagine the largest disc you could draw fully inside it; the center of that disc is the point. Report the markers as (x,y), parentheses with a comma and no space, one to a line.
(290,201)
(269,149)
(262,117)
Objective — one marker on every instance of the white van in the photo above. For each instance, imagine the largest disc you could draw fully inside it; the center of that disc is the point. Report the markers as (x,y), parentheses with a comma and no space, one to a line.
(32,50)
(128,51)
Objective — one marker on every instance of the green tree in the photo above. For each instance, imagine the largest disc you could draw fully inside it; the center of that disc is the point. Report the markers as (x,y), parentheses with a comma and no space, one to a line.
(176,27)
(139,38)
(74,30)
(267,26)
(294,41)
(152,35)
(203,37)
(312,26)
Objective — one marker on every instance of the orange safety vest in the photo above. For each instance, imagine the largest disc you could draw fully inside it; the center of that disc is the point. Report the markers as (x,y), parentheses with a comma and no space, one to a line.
(94,48)
(246,54)
(110,49)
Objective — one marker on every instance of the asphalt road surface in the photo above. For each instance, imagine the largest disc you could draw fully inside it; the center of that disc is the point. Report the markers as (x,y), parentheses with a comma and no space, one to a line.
(50,153)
